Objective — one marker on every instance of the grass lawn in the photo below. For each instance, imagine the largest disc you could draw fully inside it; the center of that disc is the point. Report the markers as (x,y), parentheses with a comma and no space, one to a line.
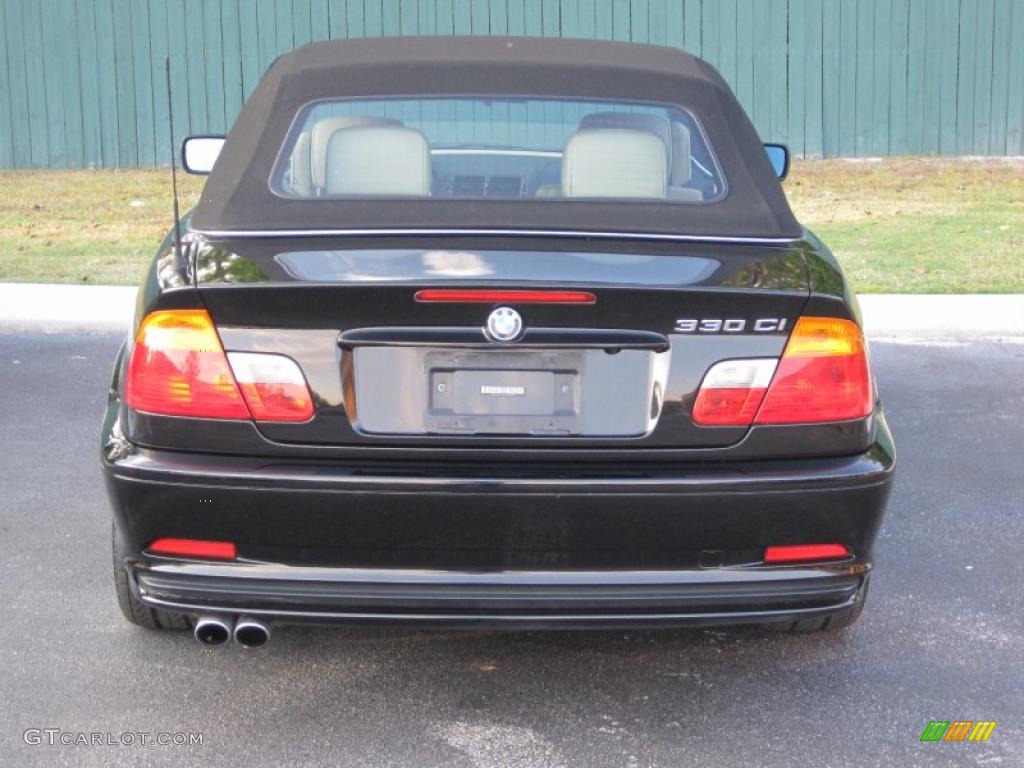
(907,225)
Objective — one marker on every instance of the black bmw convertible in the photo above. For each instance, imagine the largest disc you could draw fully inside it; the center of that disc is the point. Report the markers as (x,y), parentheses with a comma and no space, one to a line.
(492,332)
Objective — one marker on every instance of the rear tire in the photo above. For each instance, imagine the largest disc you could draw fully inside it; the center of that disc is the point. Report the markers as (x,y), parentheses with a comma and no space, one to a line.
(831,623)
(136,611)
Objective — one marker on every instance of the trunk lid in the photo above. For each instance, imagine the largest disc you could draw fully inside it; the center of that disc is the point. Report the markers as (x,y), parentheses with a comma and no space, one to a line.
(388,370)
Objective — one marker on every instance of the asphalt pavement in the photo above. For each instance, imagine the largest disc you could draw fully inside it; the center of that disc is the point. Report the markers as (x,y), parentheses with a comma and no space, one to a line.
(942,637)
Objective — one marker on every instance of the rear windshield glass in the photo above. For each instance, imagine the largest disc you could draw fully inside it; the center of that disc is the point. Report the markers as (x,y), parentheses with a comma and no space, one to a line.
(499,148)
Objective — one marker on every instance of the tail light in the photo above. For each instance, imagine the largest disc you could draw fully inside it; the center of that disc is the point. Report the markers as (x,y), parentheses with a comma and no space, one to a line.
(732,392)
(273,386)
(178,368)
(822,376)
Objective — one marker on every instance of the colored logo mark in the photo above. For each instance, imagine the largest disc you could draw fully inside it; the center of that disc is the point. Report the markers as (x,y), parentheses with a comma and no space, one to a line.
(958,730)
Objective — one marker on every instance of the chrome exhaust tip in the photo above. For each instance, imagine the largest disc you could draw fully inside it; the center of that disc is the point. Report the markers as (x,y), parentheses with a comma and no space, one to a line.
(213,630)
(251,633)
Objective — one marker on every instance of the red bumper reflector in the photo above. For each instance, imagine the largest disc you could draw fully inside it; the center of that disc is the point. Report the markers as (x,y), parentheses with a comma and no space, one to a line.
(475,296)
(209,550)
(800,553)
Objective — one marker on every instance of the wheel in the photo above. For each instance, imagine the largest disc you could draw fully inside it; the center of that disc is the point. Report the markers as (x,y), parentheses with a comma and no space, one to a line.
(134,609)
(834,621)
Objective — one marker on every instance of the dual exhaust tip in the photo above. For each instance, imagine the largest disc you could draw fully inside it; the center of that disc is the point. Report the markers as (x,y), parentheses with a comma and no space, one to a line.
(217,630)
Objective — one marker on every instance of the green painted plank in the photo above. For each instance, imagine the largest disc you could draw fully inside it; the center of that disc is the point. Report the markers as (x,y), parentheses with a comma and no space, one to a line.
(193,50)
(709,35)
(917,82)
(408,18)
(569,13)
(248,34)
(445,17)
(933,96)
(898,54)
(692,15)
(948,66)
(213,71)
(462,17)
(92,152)
(21,133)
(675,31)
(6,128)
(127,139)
(52,90)
(864,109)
(231,44)
(848,28)
(778,50)
(319,19)
(181,52)
(882,83)
(390,18)
(66,21)
(797,82)
(497,17)
(965,94)
(603,21)
(984,35)
(266,33)
(726,10)
(106,75)
(831,105)
(813,97)
(285,37)
(373,18)
(1015,96)
(35,57)
(479,18)
(550,18)
(302,13)
(1000,78)
(638,30)
(744,82)
(657,21)
(428,18)
(142,81)
(755,29)
(158,49)
(621,19)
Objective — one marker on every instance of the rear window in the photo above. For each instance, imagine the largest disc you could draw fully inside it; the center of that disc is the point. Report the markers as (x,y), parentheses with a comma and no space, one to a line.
(542,149)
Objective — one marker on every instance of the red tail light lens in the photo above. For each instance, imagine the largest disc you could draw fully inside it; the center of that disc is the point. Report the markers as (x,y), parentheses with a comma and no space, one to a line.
(803,553)
(732,392)
(208,550)
(273,387)
(178,368)
(823,375)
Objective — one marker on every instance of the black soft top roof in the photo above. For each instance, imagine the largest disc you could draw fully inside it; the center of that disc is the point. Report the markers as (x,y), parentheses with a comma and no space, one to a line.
(238,197)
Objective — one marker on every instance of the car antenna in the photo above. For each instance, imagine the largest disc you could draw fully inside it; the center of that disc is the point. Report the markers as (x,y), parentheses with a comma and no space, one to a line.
(174,171)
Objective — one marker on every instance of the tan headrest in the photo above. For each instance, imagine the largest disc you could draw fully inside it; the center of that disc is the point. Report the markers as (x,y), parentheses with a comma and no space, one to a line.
(378,160)
(655,124)
(322,132)
(614,163)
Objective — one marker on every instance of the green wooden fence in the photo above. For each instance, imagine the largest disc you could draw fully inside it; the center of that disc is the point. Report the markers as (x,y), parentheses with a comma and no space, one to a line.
(82,82)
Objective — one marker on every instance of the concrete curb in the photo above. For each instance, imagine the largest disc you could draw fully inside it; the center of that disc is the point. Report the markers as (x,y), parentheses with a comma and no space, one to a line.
(105,308)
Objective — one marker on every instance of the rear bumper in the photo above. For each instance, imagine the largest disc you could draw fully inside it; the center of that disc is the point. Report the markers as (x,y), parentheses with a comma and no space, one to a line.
(523,599)
(527,547)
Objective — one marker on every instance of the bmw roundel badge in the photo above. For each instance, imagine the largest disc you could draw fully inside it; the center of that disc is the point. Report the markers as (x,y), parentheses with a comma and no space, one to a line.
(504,324)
